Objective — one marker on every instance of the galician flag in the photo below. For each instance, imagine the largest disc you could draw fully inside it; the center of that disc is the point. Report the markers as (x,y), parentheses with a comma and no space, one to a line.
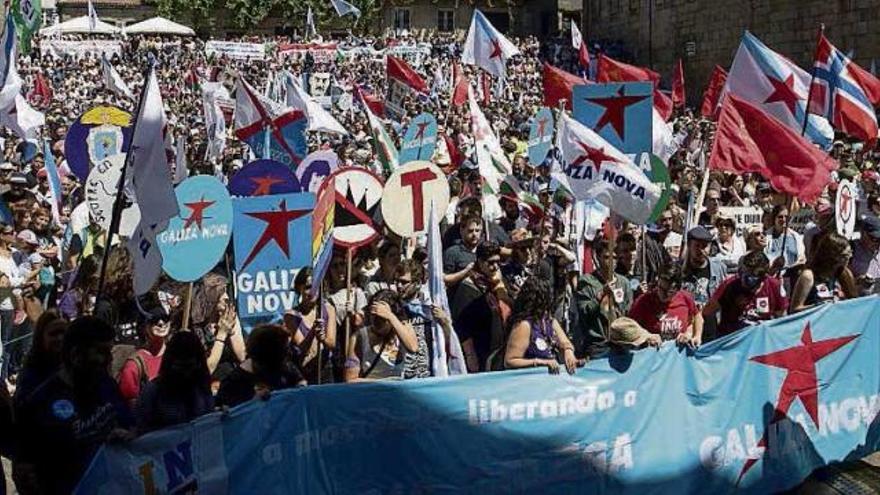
(382,143)
(493,163)
(486,48)
(595,169)
(54,181)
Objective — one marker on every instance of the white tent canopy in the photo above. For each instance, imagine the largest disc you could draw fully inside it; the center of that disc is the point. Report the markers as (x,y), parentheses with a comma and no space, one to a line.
(80,25)
(159,25)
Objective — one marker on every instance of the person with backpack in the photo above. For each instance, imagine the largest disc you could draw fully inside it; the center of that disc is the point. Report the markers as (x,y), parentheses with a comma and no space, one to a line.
(143,364)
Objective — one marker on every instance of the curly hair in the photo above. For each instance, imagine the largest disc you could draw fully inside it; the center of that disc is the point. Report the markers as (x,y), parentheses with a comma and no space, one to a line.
(533,302)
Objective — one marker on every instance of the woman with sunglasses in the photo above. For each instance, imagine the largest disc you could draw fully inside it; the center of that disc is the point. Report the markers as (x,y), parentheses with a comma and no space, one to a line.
(144,364)
(748,298)
(668,311)
(729,247)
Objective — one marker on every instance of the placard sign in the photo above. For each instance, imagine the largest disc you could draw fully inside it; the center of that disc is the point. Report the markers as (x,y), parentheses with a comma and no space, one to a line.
(99,133)
(845,208)
(420,139)
(540,136)
(409,193)
(101,187)
(196,239)
(358,193)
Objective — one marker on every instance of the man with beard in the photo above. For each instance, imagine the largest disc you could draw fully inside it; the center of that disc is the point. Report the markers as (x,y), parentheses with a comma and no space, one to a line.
(67,418)
(268,367)
(410,276)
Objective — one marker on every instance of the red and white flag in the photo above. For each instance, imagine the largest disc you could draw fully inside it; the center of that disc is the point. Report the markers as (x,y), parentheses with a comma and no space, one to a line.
(487,48)
(593,168)
(577,42)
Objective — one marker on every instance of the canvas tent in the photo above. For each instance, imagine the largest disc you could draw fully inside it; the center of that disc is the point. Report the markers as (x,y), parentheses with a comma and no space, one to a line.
(79,25)
(159,25)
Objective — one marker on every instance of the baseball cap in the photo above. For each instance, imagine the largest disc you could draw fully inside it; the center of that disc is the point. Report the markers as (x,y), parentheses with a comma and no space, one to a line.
(7,166)
(699,233)
(18,179)
(870,225)
(29,237)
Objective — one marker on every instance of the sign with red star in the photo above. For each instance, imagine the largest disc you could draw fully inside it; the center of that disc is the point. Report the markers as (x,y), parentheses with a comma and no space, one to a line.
(264,177)
(845,209)
(540,136)
(197,212)
(619,112)
(420,139)
(276,229)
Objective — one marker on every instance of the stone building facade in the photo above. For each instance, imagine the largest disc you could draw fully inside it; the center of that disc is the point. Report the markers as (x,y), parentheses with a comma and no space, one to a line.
(707,32)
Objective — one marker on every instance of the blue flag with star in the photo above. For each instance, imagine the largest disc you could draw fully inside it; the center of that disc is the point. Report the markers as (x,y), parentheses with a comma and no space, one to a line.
(619,112)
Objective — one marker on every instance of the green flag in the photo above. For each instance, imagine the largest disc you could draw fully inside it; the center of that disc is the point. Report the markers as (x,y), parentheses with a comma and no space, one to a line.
(28,16)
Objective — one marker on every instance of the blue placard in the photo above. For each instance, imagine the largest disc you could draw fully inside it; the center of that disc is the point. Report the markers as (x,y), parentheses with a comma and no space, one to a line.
(273,239)
(619,112)
(420,139)
(540,136)
(264,177)
(753,412)
(95,135)
(196,239)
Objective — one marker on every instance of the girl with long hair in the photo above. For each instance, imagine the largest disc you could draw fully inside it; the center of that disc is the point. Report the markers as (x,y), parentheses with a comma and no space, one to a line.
(826,277)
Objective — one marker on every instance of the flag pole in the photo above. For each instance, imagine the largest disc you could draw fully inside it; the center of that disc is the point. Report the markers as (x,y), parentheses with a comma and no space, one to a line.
(116,214)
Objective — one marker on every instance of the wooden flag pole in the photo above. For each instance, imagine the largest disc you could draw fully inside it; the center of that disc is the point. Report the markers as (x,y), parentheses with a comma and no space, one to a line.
(348,255)
(187,306)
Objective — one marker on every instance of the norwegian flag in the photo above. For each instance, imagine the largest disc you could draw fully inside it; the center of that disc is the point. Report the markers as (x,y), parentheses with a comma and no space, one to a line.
(841,91)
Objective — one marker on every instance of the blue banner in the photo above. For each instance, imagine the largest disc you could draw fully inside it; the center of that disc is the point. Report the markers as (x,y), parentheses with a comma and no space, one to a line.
(757,410)
(619,112)
(271,243)
(197,237)
(540,136)
(264,177)
(419,140)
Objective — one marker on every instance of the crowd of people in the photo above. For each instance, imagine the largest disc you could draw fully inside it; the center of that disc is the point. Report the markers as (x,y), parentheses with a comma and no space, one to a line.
(81,368)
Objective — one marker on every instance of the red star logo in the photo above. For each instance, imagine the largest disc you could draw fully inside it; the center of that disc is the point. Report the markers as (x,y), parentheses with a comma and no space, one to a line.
(420,134)
(276,229)
(845,202)
(496,49)
(264,185)
(783,91)
(800,380)
(595,155)
(542,123)
(197,212)
(615,106)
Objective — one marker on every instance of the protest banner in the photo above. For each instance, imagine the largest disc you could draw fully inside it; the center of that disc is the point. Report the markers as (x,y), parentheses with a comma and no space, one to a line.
(100,189)
(420,139)
(321,52)
(236,50)
(98,133)
(358,193)
(845,208)
(81,48)
(540,136)
(746,217)
(409,194)
(621,113)
(196,239)
(270,233)
(783,398)
(262,178)
(315,168)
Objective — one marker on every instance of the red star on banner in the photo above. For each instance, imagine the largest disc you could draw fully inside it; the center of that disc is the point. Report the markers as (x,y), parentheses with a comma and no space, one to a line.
(496,49)
(276,229)
(845,202)
(615,106)
(197,212)
(264,185)
(800,380)
(595,155)
(783,91)
(542,123)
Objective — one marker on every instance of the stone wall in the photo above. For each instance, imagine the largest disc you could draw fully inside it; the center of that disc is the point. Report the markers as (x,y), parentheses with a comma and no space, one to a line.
(707,32)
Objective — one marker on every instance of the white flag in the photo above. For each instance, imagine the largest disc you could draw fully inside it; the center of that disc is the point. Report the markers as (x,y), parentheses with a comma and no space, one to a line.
(10,82)
(344,8)
(215,125)
(146,257)
(181,172)
(319,119)
(311,30)
(93,17)
(451,363)
(22,119)
(487,48)
(493,163)
(150,169)
(593,168)
(112,80)
(663,141)
(576,38)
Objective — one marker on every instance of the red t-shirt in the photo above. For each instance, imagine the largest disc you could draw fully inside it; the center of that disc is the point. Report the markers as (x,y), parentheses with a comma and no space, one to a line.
(130,379)
(741,308)
(669,319)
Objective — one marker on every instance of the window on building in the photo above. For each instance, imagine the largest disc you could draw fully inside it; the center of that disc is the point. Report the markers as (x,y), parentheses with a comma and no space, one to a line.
(401,18)
(445,20)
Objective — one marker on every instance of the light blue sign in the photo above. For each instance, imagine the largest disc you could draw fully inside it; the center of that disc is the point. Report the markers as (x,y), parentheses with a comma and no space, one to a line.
(619,112)
(540,136)
(273,239)
(196,239)
(754,412)
(420,139)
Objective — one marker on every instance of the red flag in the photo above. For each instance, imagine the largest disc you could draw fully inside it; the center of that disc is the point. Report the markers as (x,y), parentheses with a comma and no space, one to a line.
(749,140)
(485,81)
(456,158)
(584,56)
(397,69)
(558,85)
(610,70)
(41,95)
(459,86)
(374,103)
(678,97)
(713,92)
(869,83)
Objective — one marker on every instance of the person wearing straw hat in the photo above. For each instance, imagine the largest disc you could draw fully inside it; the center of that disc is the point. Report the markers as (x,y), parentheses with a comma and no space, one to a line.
(626,333)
